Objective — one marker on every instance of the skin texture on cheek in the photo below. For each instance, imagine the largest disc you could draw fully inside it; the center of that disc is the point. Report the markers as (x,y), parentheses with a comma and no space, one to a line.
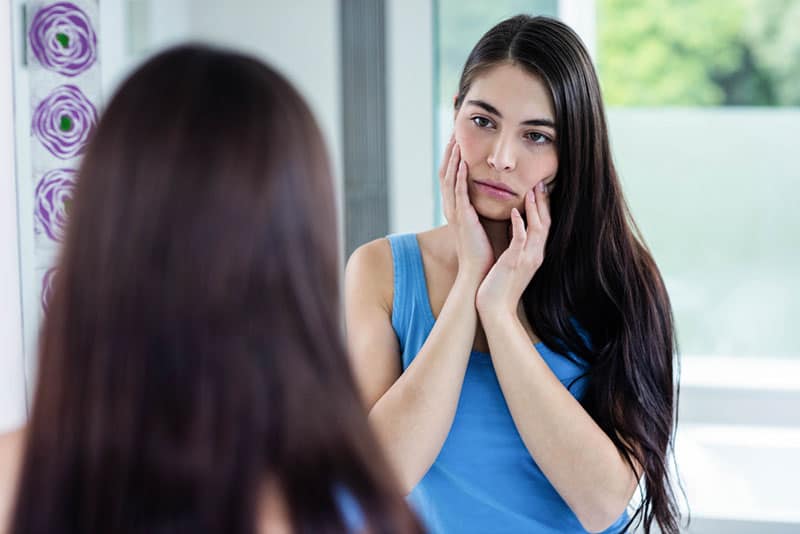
(472,141)
(532,166)
(468,139)
(505,132)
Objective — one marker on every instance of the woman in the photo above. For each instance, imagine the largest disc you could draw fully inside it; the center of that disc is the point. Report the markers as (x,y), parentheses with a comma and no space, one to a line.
(517,363)
(192,373)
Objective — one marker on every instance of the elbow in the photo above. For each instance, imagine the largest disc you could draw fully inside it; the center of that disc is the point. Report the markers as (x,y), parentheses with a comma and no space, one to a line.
(406,475)
(406,489)
(404,481)
(601,518)
(596,524)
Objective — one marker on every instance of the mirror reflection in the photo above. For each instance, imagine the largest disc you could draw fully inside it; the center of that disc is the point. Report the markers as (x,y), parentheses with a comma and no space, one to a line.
(579,213)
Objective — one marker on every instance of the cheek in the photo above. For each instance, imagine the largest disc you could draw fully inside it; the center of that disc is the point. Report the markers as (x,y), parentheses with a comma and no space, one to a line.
(540,166)
(550,164)
(471,142)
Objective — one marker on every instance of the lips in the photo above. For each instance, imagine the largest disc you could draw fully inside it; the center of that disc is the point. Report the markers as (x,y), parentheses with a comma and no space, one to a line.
(495,185)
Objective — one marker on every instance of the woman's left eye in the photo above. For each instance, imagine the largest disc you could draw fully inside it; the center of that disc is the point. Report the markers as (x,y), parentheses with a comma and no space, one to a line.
(537,138)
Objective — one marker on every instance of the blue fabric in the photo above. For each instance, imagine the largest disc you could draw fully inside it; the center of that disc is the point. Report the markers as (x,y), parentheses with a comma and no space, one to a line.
(350,509)
(484,479)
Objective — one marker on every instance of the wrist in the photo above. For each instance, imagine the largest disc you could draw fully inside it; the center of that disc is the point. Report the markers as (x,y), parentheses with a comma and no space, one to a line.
(494,316)
(468,278)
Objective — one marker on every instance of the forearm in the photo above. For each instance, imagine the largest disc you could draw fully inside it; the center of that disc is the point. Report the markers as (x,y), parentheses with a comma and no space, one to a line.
(574,453)
(412,419)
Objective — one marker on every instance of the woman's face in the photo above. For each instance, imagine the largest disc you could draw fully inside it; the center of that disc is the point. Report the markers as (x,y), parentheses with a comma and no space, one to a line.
(506,130)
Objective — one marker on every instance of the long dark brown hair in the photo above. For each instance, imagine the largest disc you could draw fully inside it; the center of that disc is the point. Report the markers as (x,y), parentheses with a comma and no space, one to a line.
(192,351)
(597,271)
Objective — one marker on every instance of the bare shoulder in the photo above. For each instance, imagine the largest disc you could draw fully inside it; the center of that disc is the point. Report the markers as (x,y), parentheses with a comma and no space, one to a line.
(370,271)
(371,340)
(11,444)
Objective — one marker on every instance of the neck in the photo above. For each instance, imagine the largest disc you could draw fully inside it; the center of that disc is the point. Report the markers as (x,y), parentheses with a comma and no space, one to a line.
(499,234)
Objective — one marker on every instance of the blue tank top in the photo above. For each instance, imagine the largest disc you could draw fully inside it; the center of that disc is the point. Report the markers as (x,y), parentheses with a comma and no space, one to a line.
(484,479)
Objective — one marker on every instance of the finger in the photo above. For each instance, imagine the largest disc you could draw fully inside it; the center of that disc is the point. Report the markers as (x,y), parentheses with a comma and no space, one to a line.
(448,151)
(462,197)
(535,228)
(452,162)
(518,236)
(531,212)
(448,182)
(543,204)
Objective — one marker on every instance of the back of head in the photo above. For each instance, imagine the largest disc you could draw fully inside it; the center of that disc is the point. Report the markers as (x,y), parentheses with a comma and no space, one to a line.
(192,349)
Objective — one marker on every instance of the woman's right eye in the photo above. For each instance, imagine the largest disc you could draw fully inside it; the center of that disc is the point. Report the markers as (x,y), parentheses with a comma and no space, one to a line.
(481,122)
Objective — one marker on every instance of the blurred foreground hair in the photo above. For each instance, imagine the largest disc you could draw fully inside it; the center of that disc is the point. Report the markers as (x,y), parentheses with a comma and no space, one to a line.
(192,353)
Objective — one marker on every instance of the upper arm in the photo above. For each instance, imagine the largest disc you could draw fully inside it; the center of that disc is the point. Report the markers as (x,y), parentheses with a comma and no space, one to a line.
(373,346)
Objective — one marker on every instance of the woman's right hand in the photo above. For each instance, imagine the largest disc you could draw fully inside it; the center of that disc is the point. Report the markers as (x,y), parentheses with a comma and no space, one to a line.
(475,256)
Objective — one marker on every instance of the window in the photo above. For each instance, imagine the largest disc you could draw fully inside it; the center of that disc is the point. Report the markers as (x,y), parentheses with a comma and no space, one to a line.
(702,104)
(704,133)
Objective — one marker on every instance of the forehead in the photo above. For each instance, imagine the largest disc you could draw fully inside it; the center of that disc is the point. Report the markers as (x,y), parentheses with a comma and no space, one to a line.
(515,92)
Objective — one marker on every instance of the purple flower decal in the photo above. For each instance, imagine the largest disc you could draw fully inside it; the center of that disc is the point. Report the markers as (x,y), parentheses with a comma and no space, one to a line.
(53,199)
(63,121)
(62,39)
(47,287)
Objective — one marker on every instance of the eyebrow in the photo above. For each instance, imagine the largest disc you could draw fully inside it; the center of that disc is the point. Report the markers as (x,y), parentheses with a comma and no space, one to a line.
(493,110)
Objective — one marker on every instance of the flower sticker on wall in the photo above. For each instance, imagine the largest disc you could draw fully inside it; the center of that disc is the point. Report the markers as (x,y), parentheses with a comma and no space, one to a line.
(63,121)
(62,39)
(47,287)
(53,199)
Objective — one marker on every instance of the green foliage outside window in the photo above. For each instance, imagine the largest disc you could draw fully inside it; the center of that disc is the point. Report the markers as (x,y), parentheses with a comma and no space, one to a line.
(699,52)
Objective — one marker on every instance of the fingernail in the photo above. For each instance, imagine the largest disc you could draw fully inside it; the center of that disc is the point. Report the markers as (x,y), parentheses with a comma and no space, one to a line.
(542,187)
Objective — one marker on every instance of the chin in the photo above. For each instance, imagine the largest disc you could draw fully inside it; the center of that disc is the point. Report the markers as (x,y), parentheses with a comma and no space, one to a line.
(493,211)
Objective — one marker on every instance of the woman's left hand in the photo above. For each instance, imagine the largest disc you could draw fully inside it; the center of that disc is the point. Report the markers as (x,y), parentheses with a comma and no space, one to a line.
(502,288)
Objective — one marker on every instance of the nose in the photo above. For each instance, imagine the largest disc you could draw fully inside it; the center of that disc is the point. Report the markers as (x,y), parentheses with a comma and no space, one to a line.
(502,157)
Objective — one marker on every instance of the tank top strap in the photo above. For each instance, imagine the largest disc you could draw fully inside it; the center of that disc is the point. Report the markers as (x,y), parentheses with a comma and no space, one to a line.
(410,289)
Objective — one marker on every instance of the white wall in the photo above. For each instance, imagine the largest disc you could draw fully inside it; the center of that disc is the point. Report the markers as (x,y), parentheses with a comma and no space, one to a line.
(12,374)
